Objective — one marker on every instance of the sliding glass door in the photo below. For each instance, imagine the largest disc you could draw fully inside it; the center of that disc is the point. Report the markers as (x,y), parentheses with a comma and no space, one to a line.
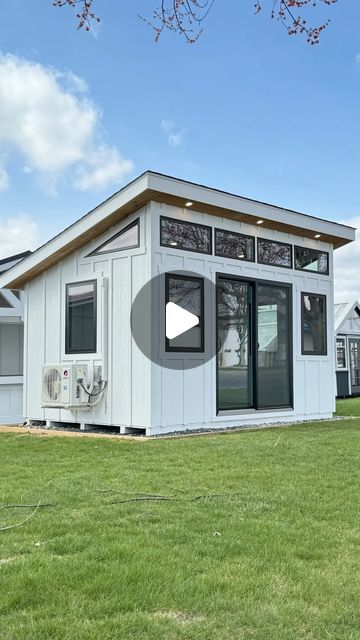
(254,345)
(234,315)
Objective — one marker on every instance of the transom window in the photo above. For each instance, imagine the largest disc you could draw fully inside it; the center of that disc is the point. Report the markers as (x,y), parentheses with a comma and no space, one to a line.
(128,238)
(188,293)
(341,353)
(274,253)
(313,331)
(81,317)
(230,244)
(184,235)
(311,260)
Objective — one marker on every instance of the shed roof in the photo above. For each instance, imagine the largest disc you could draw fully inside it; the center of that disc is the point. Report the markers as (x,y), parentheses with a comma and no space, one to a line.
(151,186)
(341,312)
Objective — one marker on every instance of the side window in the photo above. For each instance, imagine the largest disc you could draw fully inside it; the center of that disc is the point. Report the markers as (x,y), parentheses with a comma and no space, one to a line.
(186,292)
(185,235)
(274,253)
(81,317)
(313,324)
(311,260)
(340,353)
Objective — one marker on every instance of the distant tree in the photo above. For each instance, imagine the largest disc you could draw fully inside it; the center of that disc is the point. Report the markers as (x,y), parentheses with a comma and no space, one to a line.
(186,17)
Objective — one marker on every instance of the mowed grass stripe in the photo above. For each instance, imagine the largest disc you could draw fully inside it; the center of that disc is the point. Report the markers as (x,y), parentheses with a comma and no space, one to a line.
(275,555)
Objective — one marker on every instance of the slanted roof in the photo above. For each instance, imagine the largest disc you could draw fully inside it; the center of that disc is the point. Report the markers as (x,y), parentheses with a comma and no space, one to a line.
(157,187)
(343,311)
(11,261)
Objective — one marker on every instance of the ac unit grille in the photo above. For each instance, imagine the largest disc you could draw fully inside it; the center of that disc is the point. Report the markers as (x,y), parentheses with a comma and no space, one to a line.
(52,384)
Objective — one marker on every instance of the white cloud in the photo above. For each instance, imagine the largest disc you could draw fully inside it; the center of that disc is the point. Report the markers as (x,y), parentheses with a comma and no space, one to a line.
(167,125)
(4,179)
(175,138)
(18,233)
(347,267)
(104,166)
(46,117)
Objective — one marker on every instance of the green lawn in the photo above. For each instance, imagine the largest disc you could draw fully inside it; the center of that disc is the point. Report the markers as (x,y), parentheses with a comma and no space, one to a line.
(275,557)
(348,407)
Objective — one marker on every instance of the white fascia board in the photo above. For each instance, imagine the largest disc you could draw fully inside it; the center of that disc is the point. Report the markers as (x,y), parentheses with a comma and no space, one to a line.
(192,192)
(85,223)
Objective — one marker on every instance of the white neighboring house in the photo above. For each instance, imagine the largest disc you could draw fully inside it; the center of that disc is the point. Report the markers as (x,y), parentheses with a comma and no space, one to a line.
(11,348)
(263,348)
(347,336)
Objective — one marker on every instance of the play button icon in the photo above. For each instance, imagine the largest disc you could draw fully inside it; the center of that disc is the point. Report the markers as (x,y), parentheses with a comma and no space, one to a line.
(173,320)
(178,320)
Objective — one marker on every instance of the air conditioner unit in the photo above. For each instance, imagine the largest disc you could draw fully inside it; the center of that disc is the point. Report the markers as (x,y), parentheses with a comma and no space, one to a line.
(61,385)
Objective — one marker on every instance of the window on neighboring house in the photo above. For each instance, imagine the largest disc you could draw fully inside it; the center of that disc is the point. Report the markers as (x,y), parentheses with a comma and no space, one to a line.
(11,349)
(81,317)
(274,253)
(229,244)
(188,236)
(188,293)
(313,317)
(128,238)
(4,302)
(340,353)
(311,260)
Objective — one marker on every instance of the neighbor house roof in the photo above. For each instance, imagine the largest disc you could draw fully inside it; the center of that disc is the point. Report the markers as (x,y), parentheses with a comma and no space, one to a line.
(157,187)
(342,311)
(11,261)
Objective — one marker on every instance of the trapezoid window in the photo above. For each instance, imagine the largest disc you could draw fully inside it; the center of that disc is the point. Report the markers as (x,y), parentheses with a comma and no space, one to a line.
(81,317)
(229,244)
(313,320)
(188,236)
(128,238)
(311,260)
(274,253)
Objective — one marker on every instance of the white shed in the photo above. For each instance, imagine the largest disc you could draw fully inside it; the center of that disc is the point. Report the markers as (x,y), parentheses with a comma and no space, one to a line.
(347,337)
(11,348)
(257,278)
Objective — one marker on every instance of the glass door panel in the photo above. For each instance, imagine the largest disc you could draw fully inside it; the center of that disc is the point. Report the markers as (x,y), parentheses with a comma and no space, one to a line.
(354,346)
(273,349)
(234,361)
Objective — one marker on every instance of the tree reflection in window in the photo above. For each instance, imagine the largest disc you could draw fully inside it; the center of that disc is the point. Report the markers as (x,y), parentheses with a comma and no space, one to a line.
(230,244)
(313,324)
(185,235)
(274,253)
(311,260)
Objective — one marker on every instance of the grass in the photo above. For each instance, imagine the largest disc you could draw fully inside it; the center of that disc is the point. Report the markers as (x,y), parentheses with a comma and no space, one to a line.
(348,407)
(275,557)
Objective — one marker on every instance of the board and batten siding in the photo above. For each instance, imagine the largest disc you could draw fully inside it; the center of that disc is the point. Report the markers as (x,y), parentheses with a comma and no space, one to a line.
(185,399)
(119,277)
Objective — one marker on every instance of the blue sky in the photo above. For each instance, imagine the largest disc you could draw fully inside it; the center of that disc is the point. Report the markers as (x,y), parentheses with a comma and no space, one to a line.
(246,109)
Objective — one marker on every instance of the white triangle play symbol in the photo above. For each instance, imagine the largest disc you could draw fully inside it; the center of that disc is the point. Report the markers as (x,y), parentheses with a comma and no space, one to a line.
(178,320)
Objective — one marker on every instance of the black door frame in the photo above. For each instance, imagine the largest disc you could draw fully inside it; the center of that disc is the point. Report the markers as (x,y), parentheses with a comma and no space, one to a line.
(254,339)
(356,390)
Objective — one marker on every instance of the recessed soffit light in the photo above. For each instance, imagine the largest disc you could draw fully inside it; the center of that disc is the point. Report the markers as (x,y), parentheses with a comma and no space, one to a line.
(259,221)
(189,204)
(317,236)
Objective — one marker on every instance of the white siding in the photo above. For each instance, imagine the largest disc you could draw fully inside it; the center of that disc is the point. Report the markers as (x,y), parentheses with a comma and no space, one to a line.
(127,397)
(185,399)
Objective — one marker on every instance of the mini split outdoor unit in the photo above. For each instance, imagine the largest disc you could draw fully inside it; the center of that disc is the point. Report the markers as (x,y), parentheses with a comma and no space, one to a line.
(61,385)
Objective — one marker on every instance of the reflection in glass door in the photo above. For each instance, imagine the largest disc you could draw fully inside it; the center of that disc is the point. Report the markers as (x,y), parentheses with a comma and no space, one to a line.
(234,376)
(254,360)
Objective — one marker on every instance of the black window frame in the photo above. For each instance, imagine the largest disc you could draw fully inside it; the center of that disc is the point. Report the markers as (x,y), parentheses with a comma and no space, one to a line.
(193,224)
(239,235)
(311,251)
(303,351)
(271,264)
(178,276)
(95,252)
(68,349)
(256,282)
(342,347)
